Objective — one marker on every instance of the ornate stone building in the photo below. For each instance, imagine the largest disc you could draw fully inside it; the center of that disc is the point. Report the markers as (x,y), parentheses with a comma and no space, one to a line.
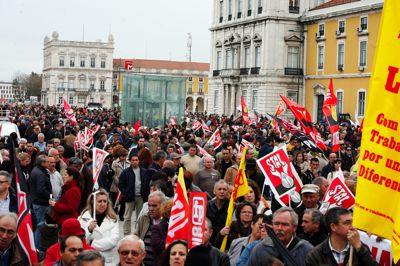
(81,72)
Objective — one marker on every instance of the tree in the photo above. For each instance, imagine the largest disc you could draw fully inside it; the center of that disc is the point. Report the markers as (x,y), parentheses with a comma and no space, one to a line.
(32,83)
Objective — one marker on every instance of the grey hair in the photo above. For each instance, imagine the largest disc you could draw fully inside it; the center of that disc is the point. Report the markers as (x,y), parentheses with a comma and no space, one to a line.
(89,255)
(221,181)
(158,194)
(41,135)
(319,181)
(209,224)
(316,216)
(9,215)
(51,150)
(132,239)
(6,174)
(293,214)
(40,159)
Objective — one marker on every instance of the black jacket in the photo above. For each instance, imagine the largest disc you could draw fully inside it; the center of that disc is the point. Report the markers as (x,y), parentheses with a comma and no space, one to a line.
(40,186)
(127,184)
(322,255)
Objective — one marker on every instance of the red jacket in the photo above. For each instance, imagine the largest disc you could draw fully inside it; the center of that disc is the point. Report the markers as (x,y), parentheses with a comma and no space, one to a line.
(53,253)
(68,205)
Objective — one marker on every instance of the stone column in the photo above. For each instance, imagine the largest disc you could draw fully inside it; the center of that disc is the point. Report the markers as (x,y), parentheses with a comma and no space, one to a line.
(194,104)
(233,96)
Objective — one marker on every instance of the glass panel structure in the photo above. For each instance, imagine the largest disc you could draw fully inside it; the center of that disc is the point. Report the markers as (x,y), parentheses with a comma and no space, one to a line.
(152,99)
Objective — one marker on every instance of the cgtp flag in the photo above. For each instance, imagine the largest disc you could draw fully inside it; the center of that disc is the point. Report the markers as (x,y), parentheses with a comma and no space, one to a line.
(215,139)
(128,64)
(197,225)
(88,137)
(98,159)
(281,177)
(179,220)
(329,110)
(204,126)
(24,222)
(196,125)
(337,195)
(203,151)
(245,112)
(240,188)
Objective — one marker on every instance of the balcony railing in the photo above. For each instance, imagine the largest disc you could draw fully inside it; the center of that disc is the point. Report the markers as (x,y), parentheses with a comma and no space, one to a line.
(216,73)
(60,89)
(200,93)
(293,71)
(294,9)
(255,71)
(230,72)
(190,92)
(244,71)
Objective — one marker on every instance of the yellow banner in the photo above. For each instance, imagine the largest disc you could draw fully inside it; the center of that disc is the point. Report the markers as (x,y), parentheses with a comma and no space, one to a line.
(377,208)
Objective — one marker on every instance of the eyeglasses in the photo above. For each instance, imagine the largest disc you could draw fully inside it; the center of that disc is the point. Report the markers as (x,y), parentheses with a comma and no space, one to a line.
(132,252)
(6,231)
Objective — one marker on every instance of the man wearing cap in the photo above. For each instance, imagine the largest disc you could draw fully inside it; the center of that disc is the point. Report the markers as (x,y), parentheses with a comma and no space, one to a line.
(309,197)
(69,227)
(176,158)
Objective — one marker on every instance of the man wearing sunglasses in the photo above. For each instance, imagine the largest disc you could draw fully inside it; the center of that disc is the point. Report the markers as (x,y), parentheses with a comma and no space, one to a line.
(131,251)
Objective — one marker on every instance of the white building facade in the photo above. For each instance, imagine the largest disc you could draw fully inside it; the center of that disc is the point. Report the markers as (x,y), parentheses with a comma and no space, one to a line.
(80,72)
(10,93)
(257,53)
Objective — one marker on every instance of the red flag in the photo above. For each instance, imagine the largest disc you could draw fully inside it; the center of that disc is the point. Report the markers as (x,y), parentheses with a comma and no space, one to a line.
(203,151)
(337,195)
(128,64)
(215,139)
(329,110)
(204,126)
(24,223)
(172,119)
(196,125)
(197,224)
(137,126)
(88,137)
(69,112)
(98,159)
(179,220)
(280,109)
(281,176)
(304,118)
(245,112)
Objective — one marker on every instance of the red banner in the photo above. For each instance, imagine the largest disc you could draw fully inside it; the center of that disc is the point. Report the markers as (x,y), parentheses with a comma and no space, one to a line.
(136,127)
(245,112)
(329,110)
(98,159)
(128,64)
(196,125)
(203,151)
(215,139)
(337,195)
(281,177)
(197,225)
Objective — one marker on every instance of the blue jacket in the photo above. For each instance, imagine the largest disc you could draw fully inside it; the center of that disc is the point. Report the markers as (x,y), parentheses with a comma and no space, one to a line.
(127,184)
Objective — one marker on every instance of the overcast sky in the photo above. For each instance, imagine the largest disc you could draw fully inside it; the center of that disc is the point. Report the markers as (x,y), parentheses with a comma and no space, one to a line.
(146,29)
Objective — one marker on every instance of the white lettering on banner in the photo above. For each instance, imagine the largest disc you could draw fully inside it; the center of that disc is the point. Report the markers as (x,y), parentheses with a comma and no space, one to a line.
(381,251)
(198,211)
(340,195)
(177,221)
(198,205)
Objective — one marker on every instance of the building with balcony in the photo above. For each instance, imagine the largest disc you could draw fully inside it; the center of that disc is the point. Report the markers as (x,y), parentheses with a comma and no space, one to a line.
(340,39)
(195,75)
(257,52)
(78,71)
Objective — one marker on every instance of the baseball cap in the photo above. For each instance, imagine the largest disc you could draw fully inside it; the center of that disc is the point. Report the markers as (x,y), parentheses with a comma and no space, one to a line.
(75,160)
(175,156)
(310,188)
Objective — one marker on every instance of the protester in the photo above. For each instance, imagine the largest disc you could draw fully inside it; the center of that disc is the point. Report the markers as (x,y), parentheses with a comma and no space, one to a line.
(70,248)
(309,198)
(285,221)
(175,254)
(206,178)
(131,251)
(335,250)
(8,199)
(102,231)
(314,227)
(90,258)
(67,206)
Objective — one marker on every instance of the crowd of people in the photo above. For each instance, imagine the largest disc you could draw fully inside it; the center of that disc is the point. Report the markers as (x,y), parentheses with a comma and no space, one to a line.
(76,222)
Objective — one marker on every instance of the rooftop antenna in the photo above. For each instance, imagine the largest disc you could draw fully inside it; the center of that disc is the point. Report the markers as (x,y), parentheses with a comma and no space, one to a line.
(189,46)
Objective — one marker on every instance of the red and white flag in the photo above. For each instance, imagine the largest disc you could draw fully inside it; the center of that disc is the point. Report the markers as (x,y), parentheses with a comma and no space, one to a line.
(203,151)
(128,64)
(172,119)
(69,112)
(215,139)
(82,140)
(281,176)
(196,125)
(329,110)
(179,220)
(337,195)
(204,126)
(247,144)
(197,223)
(98,159)
(88,137)
(24,222)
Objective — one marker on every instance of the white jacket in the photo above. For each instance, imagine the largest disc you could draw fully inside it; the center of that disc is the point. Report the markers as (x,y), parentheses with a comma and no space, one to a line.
(104,238)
